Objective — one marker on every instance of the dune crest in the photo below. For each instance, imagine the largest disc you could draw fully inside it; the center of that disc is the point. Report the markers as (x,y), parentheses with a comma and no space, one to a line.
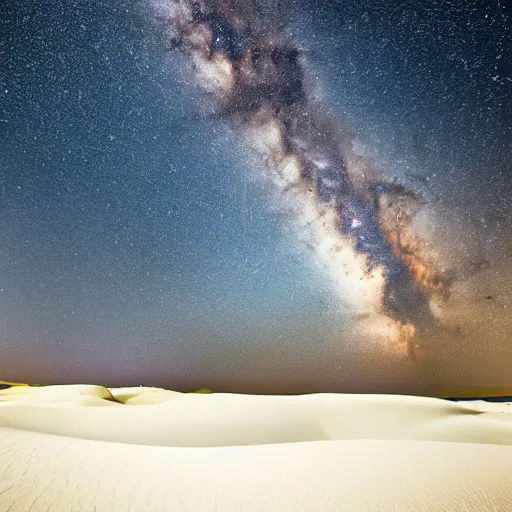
(158,417)
(323,452)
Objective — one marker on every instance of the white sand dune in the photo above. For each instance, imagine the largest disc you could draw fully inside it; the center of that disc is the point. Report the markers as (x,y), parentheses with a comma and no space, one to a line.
(90,448)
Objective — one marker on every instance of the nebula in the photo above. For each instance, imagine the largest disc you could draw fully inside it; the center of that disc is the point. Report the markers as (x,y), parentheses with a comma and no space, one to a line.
(359,226)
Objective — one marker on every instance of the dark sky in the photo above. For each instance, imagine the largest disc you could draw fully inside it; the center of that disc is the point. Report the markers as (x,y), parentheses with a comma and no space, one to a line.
(141,244)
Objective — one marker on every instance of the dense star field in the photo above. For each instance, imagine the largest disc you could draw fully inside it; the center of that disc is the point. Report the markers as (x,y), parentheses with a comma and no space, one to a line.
(256,196)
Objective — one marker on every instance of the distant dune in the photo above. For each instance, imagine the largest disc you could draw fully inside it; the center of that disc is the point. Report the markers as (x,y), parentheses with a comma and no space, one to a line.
(475,392)
(87,448)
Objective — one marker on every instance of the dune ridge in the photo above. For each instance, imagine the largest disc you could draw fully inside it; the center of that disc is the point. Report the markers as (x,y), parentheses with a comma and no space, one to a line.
(85,448)
(153,416)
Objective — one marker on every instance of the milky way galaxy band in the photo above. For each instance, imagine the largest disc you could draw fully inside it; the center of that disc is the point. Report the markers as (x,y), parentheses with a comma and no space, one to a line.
(358,225)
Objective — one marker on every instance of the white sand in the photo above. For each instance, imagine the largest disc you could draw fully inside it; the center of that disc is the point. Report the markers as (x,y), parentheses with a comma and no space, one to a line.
(226,452)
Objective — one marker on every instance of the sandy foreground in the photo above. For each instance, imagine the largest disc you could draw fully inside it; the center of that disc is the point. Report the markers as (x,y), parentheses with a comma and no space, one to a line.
(86,448)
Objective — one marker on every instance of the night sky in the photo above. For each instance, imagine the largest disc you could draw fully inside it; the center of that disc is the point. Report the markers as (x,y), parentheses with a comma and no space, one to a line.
(142,241)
